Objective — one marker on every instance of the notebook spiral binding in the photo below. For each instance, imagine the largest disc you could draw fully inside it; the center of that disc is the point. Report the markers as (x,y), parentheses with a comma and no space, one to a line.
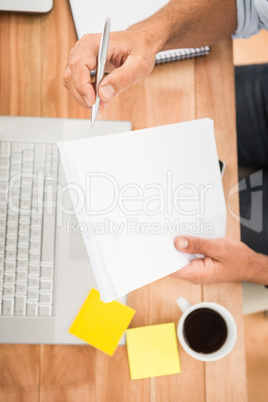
(180,54)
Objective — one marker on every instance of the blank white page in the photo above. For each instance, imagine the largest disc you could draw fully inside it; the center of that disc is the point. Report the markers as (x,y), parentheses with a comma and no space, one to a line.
(89,16)
(142,189)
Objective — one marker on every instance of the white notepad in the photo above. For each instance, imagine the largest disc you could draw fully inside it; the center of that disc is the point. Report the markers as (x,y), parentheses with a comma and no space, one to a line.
(136,192)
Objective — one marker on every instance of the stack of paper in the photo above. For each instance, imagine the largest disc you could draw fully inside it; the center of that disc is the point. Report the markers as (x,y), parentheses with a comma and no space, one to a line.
(135,192)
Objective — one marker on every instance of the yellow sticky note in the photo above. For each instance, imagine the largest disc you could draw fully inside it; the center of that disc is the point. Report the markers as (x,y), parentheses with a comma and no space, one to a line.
(101,324)
(152,351)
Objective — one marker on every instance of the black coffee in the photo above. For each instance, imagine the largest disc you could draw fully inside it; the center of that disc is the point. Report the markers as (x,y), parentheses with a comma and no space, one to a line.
(205,330)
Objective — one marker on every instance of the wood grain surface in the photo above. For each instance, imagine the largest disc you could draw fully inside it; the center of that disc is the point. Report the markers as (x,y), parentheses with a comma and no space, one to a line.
(34,52)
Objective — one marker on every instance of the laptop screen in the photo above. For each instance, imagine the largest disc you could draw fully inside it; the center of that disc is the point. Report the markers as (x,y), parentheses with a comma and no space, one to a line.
(27,6)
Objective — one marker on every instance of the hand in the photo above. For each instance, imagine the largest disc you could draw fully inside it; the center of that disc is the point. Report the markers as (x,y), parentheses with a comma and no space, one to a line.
(225,260)
(130,58)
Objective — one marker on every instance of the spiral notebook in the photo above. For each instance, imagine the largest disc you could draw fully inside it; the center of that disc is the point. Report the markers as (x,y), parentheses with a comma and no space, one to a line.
(134,192)
(89,17)
(180,54)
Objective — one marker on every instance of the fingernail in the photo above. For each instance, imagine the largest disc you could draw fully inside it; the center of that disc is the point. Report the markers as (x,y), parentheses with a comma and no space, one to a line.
(182,243)
(87,101)
(107,91)
(104,106)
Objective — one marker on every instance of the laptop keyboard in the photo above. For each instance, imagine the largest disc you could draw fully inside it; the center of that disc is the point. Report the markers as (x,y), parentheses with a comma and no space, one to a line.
(28,192)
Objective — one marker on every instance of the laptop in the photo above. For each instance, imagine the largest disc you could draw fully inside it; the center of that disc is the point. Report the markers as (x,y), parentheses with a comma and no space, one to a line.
(45,272)
(27,6)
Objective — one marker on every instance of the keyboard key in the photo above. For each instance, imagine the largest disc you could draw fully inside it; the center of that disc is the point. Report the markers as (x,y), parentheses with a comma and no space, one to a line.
(35,246)
(25,205)
(27,167)
(22,276)
(20,305)
(32,309)
(32,295)
(20,146)
(16,158)
(22,263)
(9,279)
(25,219)
(8,291)
(47,272)
(15,169)
(34,270)
(40,153)
(48,149)
(13,219)
(4,175)
(36,234)
(12,229)
(26,183)
(28,156)
(23,251)
(11,254)
(23,240)
(10,267)
(49,229)
(2,234)
(3,210)
(48,160)
(8,307)
(21,289)
(24,227)
(45,310)
(33,283)
(34,258)
(3,187)
(46,285)
(5,149)
(37,221)
(4,163)
(45,298)
(3,199)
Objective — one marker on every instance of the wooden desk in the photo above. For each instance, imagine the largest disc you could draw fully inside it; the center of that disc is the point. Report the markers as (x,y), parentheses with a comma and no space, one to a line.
(34,51)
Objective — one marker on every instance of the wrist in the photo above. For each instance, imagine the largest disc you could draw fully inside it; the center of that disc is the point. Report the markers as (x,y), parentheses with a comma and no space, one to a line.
(152,36)
(259,266)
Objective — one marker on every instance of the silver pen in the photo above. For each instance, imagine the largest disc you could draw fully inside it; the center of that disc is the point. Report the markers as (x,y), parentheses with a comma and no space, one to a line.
(102,55)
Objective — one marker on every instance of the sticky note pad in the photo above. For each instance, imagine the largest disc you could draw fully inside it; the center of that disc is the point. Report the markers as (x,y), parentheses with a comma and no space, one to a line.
(152,351)
(101,324)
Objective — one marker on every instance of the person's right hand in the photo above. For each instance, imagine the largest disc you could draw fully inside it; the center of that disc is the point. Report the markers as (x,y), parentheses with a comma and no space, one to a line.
(130,58)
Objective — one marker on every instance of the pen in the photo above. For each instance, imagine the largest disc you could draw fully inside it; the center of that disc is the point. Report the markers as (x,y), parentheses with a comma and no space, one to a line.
(101,65)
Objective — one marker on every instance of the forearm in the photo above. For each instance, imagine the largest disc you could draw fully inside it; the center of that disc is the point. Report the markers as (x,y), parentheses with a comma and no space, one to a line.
(189,23)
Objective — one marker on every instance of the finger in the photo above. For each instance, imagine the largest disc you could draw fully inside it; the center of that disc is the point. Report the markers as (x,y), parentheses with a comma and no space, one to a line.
(80,79)
(214,248)
(190,272)
(67,82)
(198,271)
(133,70)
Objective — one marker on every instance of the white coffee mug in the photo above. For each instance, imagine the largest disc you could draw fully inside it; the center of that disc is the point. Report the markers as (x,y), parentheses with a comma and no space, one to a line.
(231,335)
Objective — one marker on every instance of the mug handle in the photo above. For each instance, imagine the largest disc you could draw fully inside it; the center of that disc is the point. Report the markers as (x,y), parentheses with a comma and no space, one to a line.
(183,304)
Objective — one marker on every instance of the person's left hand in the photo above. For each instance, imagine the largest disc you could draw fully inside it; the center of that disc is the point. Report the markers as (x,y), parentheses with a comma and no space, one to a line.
(225,260)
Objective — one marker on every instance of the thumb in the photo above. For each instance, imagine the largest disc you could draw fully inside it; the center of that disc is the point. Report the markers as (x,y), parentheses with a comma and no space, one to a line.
(213,248)
(134,69)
